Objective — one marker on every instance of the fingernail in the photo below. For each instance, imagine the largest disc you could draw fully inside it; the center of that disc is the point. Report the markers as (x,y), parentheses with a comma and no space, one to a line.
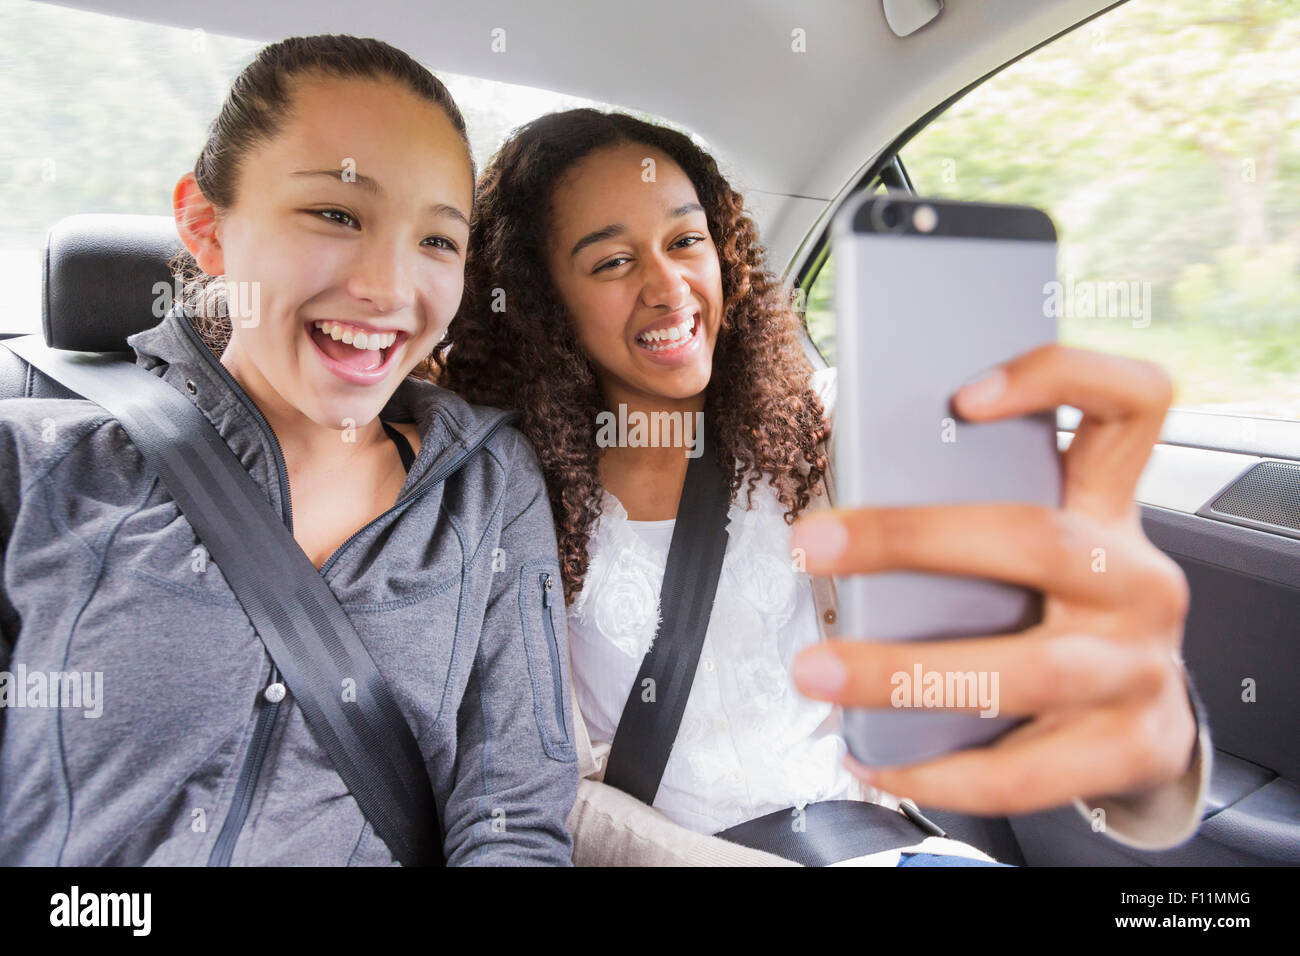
(820,537)
(983,388)
(819,672)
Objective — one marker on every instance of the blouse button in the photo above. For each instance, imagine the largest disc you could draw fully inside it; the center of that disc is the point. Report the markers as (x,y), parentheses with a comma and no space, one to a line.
(829,616)
(708,663)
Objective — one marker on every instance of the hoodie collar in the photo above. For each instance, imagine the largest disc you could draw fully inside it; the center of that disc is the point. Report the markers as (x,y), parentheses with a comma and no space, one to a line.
(450,428)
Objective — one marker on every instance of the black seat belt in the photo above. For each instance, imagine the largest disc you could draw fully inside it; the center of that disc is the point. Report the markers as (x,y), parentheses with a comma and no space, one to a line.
(831,831)
(654,708)
(297,617)
(820,833)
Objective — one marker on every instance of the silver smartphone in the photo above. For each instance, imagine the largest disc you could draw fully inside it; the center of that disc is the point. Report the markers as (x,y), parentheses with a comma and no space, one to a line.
(928,294)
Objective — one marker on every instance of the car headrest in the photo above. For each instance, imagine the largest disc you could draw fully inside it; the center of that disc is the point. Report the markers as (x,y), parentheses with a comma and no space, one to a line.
(106,277)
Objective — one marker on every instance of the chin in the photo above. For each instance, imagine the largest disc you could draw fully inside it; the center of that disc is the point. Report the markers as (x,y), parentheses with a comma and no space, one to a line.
(680,390)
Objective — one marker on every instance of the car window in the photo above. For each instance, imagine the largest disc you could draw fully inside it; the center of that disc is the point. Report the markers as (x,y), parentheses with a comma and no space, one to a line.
(104,114)
(818,303)
(819,313)
(1164,140)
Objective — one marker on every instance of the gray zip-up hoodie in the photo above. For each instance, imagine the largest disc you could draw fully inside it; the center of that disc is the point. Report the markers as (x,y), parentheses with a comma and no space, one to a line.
(134,728)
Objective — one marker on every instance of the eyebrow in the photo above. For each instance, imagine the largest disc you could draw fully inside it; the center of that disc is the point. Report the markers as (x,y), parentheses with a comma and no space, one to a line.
(372,186)
(617,229)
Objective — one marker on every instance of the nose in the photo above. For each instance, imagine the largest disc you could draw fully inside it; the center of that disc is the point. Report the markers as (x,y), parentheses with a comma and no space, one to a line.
(663,283)
(382,275)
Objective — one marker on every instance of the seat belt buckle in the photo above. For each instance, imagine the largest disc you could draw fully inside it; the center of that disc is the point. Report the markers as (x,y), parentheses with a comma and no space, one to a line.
(920,819)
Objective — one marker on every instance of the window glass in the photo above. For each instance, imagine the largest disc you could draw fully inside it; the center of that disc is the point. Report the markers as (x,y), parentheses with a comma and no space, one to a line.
(820,312)
(1164,140)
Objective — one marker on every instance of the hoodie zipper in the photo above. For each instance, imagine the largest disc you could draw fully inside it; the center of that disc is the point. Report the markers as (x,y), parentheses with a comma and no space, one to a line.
(553,648)
(282,472)
(251,770)
(224,847)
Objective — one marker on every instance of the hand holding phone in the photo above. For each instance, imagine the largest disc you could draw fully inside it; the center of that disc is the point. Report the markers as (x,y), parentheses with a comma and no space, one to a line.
(1109,707)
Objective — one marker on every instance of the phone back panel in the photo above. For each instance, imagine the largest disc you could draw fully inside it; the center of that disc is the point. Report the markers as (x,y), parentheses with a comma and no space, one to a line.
(917,316)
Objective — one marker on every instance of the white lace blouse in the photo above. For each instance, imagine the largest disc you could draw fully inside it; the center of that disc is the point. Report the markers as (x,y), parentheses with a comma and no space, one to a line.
(749,742)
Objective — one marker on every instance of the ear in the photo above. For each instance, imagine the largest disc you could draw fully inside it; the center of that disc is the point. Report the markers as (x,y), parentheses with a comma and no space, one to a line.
(198,224)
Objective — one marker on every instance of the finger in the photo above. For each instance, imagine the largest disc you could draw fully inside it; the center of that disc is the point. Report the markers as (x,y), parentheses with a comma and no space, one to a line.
(1049,549)
(1017,674)
(1109,750)
(1123,400)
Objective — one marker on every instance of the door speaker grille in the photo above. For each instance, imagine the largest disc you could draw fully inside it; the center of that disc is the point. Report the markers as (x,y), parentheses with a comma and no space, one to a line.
(1267,497)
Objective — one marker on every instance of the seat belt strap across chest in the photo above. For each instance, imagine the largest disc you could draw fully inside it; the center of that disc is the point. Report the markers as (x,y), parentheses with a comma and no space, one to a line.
(654,708)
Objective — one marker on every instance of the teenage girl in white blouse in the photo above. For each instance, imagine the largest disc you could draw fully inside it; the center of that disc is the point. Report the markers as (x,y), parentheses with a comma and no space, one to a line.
(613,267)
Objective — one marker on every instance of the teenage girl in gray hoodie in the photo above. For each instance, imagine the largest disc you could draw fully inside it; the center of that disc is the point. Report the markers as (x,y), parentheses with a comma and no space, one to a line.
(332,201)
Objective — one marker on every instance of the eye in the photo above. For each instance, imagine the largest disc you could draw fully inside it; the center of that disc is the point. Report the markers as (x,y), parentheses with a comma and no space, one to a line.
(611,264)
(691,240)
(447,244)
(328,213)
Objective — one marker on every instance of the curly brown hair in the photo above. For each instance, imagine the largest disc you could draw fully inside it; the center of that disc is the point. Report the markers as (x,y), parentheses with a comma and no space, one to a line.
(526,357)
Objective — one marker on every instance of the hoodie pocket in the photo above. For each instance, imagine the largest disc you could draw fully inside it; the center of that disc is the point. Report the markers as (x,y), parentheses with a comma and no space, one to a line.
(541,607)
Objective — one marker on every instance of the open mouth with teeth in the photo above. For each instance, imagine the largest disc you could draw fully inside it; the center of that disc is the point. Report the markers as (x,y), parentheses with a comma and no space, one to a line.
(672,338)
(353,348)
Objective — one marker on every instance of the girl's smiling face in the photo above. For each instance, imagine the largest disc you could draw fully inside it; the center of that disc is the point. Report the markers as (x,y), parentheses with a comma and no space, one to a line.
(638,272)
(356,213)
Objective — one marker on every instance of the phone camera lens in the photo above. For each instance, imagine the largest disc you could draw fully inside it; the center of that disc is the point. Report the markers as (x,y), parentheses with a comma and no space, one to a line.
(890,216)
